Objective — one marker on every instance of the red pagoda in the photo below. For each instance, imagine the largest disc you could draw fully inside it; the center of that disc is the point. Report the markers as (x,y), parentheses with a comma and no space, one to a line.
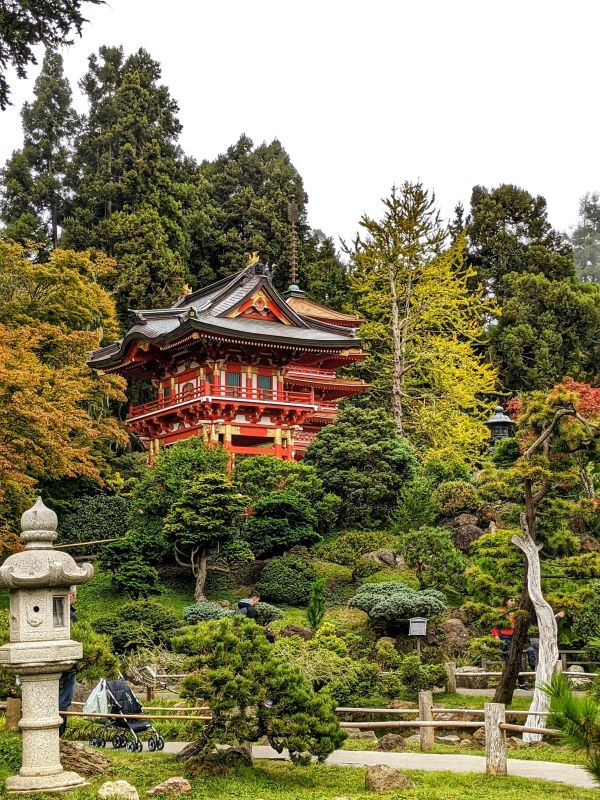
(238,364)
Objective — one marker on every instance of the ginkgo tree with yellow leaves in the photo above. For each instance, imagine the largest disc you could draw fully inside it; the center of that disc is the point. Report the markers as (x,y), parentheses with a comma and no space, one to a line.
(425,325)
(55,412)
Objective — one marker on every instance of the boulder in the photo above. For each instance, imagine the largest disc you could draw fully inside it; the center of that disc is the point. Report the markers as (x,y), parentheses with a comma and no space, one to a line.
(171,786)
(486,516)
(479,736)
(117,789)
(387,557)
(589,544)
(382,778)
(223,603)
(387,639)
(456,637)
(356,733)
(574,681)
(448,739)
(391,742)
(371,557)
(513,742)
(464,536)
(465,519)
(414,738)
(471,683)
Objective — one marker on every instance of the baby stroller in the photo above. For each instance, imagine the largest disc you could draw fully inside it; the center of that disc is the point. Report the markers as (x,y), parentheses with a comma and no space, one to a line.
(115,697)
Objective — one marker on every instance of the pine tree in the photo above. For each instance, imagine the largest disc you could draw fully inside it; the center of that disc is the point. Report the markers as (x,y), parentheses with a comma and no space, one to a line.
(315,611)
(34,177)
(127,178)
(586,238)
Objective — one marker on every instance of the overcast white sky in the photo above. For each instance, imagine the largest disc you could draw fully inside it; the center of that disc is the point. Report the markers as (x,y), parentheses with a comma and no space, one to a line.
(367,94)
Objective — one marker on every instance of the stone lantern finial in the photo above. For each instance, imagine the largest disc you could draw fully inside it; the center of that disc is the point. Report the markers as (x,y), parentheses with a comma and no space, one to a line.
(38,526)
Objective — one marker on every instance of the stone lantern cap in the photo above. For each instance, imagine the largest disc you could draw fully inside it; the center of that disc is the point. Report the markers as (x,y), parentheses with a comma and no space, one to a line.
(39,565)
(499,417)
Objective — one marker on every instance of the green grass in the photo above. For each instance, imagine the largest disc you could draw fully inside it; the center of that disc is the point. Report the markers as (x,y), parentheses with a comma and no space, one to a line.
(281,781)
(545,752)
(446,700)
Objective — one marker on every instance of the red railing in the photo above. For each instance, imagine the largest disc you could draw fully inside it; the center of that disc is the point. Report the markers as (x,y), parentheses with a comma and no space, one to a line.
(244,393)
(307,372)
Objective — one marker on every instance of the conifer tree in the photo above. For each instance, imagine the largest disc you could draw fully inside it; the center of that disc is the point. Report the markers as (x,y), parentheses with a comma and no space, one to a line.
(127,178)
(34,177)
(586,238)
(424,325)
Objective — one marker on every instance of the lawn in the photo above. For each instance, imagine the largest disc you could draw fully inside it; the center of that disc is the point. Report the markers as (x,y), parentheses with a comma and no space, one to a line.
(282,781)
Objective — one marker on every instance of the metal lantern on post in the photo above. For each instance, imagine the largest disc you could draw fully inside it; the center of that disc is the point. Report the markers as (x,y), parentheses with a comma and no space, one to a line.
(417,626)
(501,425)
(40,648)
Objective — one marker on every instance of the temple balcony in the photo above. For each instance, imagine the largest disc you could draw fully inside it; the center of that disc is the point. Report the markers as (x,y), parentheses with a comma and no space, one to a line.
(240,395)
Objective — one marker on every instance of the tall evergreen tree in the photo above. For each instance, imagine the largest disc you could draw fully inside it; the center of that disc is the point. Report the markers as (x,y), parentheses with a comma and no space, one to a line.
(548,325)
(586,238)
(127,178)
(34,197)
(510,232)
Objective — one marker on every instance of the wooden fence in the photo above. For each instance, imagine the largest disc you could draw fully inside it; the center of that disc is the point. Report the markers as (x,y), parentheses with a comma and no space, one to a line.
(493,721)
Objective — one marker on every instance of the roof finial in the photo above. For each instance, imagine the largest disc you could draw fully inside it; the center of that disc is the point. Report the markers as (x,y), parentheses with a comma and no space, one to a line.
(253,259)
(293,218)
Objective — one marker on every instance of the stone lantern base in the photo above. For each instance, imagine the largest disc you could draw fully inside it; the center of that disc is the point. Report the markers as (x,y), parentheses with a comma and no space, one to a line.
(61,782)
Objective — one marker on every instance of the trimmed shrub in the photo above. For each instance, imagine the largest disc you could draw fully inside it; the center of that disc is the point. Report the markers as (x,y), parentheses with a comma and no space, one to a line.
(203,612)
(448,468)
(387,656)
(137,625)
(96,516)
(326,637)
(135,578)
(287,580)
(433,557)
(316,603)
(453,497)
(281,520)
(266,613)
(347,548)
(391,602)
(98,659)
(417,677)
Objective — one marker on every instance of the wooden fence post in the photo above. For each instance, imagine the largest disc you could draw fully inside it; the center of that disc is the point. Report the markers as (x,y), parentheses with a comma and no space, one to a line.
(426,735)
(451,679)
(563,661)
(495,739)
(13,713)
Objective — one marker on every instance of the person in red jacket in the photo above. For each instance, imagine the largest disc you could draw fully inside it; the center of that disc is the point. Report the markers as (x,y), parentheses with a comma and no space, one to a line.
(506,630)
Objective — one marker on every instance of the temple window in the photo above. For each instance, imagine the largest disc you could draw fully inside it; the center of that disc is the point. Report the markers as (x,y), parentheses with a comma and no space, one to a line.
(265,384)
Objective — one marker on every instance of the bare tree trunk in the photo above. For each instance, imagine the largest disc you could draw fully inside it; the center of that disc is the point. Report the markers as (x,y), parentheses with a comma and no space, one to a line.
(200,570)
(398,356)
(548,655)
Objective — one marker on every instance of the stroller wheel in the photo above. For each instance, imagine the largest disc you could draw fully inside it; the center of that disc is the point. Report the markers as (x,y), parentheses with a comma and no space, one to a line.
(130,747)
(160,743)
(151,745)
(101,742)
(93,741)
(116,742)
(139,747)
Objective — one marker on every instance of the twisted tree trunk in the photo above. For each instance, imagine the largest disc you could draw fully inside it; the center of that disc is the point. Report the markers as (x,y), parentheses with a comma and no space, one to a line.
(548,655)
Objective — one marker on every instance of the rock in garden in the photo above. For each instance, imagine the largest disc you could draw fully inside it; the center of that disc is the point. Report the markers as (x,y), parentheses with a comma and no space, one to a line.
(355,733)
(171,786)
(449,739)
(572,676)
(414,738)
(464,536)
(588,544)
(75,756)
(471,683)
(223,603)
(515,741)
(382,778)
(117,789)
(387,557)
(456,637)
(465,519)
(296,630)
(391,742)
(479,736)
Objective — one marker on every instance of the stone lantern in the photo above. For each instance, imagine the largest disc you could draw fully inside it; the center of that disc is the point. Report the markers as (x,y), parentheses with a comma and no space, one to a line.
(40,647)
(501,425)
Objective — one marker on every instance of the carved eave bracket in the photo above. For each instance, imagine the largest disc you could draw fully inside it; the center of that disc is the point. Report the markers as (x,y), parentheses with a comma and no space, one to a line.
(56,573)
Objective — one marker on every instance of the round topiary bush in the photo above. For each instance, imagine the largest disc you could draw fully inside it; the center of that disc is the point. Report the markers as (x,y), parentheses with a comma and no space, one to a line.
(287,580)
(452,497)
(266,613)
(392,602)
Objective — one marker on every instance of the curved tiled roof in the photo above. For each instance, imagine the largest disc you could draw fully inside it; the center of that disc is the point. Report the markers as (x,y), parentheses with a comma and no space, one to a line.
(206,311)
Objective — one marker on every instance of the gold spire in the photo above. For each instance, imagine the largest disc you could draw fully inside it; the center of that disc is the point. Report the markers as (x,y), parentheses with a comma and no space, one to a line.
(253,259)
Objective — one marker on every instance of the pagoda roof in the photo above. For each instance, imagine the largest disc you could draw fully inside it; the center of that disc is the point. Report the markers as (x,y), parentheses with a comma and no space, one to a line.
(245,307)
(315,311)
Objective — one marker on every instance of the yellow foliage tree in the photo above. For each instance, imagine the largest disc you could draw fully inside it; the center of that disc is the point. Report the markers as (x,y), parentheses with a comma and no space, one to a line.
(425,318)
(55,419)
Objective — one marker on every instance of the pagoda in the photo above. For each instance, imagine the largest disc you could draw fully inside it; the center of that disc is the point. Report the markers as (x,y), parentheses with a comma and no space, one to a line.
(238,364)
